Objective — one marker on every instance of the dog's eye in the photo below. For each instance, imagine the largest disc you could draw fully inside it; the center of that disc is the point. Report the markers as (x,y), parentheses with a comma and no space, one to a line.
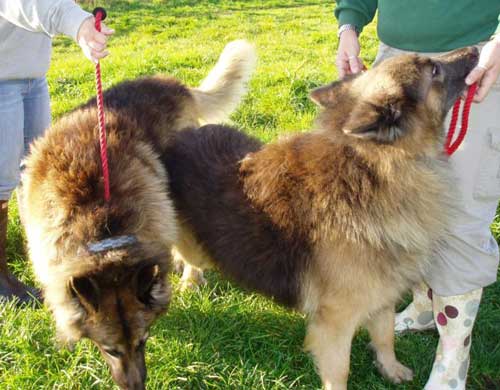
(436,70)
(113,352)
(142,344)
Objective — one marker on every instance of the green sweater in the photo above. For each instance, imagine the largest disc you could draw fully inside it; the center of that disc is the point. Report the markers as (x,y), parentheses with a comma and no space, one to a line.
(425,25)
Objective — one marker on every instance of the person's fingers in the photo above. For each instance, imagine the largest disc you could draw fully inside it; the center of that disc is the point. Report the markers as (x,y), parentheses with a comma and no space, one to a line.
(96,45)
(475,75)
(342,65)
(354,64)
(361,64)
(343,70)
(100,38)
(97,55)
(486,83)
(106,30)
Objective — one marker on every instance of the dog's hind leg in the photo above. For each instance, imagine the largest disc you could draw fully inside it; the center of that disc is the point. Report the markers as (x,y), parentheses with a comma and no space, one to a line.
(381,329)
(329,336)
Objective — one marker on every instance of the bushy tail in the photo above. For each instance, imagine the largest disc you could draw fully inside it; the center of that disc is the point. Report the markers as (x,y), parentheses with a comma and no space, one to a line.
(221,91)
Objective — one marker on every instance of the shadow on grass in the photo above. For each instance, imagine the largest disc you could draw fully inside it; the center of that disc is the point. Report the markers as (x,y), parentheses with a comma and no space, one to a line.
(229,333)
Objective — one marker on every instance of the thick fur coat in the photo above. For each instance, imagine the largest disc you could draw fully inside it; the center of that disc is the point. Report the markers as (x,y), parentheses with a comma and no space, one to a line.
(113,296)
(337,222)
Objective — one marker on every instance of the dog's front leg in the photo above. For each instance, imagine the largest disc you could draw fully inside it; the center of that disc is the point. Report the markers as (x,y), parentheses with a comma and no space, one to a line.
(381,329)
(329,336)
(192,273)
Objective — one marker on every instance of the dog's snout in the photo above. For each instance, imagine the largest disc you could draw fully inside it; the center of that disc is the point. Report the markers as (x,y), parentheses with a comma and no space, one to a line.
(472,58)
(460,62)
(475,51)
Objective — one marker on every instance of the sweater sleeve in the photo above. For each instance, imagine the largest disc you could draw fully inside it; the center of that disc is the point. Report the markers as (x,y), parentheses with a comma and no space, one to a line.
(47,16)
(356,12)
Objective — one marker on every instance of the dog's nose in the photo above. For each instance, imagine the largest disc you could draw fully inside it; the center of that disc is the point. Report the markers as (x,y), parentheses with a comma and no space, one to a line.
(474,53)
(472,58)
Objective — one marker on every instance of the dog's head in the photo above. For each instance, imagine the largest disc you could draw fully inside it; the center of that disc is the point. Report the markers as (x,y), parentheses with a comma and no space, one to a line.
(116,305)
(403,101)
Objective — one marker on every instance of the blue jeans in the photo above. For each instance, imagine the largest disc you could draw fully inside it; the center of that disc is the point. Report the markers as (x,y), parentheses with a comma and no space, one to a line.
(24,116)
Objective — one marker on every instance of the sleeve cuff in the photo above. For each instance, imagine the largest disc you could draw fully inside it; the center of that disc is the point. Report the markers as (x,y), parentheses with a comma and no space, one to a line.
(349,16)
(72,19)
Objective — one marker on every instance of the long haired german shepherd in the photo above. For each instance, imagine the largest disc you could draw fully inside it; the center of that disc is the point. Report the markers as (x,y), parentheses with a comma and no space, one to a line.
(103,266)
(337,222)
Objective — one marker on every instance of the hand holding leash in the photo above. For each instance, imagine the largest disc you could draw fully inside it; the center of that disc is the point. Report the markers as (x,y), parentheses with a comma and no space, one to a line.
(92,40)
(487,70)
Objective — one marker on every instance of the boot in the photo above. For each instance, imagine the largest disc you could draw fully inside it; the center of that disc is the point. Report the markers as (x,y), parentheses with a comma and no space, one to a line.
(10,286)
(418,314)
(455,318)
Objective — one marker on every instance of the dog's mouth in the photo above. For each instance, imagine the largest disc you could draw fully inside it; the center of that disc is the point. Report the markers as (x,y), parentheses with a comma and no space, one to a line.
(456,66)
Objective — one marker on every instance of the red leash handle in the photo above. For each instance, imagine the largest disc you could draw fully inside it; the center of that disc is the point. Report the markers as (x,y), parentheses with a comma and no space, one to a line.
(450,147)
(100,15)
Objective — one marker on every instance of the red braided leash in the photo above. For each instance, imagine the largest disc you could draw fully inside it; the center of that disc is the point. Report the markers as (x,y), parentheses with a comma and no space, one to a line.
(100,15)
(450,147)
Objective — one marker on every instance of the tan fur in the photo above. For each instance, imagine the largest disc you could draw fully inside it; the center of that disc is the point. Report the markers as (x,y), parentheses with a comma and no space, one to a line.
(112,297)
(337,222)
(222,90)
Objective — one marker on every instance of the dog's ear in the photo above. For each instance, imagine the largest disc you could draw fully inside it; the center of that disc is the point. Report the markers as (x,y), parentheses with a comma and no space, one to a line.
(86,290)
(327,95)
(146,279)
(380,123)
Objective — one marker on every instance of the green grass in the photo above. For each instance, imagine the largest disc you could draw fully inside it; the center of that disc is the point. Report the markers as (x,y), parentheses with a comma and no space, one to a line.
(219,337)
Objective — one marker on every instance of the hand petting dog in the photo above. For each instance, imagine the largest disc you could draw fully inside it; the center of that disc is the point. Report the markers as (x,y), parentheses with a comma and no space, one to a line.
(485,73)
(348,61)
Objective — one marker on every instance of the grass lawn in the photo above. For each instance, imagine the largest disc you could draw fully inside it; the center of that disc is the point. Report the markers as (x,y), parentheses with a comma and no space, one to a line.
(219,337)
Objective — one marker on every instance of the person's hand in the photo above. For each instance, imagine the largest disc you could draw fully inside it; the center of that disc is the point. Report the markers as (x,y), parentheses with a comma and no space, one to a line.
(93,42)
(348,61)
(487,70)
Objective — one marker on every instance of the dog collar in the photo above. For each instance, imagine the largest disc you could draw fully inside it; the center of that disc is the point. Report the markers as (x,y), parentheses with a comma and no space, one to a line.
(111,243)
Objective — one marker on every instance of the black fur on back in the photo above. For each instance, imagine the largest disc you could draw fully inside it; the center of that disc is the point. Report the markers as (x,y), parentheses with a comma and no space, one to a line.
(156,104)
(203,166)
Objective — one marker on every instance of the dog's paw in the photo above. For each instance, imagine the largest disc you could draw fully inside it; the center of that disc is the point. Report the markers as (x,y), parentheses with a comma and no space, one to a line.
(192,279)
(178,266)
(187,285)
(395,372)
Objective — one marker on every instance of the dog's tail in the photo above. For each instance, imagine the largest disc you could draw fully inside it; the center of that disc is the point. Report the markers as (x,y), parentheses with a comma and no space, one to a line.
(221,91)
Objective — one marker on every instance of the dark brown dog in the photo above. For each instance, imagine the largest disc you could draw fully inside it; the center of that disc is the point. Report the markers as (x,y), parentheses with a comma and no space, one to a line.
(337,222)
(103,266)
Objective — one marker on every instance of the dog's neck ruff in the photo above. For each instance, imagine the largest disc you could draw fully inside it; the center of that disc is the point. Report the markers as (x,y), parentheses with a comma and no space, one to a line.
(111,243)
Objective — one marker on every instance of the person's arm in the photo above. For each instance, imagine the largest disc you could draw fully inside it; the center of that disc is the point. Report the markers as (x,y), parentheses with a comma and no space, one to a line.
(356,13)
(47,16)
(53,17)
(488,68)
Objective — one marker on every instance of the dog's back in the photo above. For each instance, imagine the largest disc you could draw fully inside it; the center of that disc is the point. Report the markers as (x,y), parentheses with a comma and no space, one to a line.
(203,166)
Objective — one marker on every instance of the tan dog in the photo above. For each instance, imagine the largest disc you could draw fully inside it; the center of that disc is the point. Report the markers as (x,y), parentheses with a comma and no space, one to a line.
(337,222)
(103,266)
